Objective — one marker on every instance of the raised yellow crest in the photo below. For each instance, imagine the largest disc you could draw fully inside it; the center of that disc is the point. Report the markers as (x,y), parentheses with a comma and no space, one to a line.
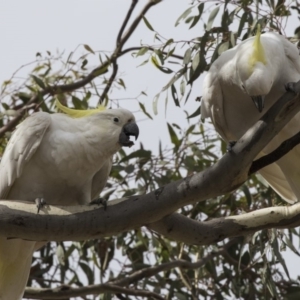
(258,54)
(78,113)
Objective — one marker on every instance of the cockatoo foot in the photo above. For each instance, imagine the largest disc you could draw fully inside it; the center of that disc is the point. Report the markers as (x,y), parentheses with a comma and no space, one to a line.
(99,201)
(40,203)
(230,145)
(290,87)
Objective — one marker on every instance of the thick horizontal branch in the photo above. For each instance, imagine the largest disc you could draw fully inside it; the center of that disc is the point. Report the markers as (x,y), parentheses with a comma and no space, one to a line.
(19,220)
(176,226)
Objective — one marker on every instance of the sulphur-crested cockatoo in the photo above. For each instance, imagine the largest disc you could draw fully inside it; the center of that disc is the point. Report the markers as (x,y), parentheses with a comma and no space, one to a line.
(258,68)
(64,159)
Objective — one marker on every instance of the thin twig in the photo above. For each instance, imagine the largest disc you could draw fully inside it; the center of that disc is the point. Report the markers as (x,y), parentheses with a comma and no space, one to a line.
(150,48)
(133,4)
(65,291)
(110,82)
(135,23)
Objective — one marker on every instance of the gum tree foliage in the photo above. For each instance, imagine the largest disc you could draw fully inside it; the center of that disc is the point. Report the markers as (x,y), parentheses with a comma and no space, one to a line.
(141,263)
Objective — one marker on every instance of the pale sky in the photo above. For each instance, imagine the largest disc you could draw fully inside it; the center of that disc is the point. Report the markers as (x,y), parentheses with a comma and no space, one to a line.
(31,26)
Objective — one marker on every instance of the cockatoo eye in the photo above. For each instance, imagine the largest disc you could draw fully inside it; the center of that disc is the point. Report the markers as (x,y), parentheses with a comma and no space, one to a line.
(116,120)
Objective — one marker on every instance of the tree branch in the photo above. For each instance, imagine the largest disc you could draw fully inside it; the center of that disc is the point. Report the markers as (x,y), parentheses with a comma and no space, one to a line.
(136,22)
(275,155)
(133,4)
(19,220)
(64,292)
(176,226)
(110,81)
(152,49)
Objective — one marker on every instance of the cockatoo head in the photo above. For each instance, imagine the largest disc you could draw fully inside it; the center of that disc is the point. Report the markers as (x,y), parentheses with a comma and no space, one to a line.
(254,73)
(119,123)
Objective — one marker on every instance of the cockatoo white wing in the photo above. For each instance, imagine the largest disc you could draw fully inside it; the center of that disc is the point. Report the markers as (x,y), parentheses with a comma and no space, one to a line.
(100,179)
(217,79)
(22,145)
(278,181)
(292,53)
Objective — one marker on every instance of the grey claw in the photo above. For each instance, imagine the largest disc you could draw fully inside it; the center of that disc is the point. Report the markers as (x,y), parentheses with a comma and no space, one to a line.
(230,146)
(99,201)
(40,203)
(290,87)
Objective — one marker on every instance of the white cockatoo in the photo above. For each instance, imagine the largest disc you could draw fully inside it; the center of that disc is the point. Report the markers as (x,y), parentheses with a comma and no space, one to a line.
(259,68)
(64,159)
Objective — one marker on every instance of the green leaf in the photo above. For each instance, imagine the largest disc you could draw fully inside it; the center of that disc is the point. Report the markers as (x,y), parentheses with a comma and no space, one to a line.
(143,63)
(195,113)
(232,39)
(190,129)
(88,272)
(163,69)
(38,81)
(166,104)
(173,136)
(182,86)
(78,104)
(88,48)
(84,63)
(148,24)
(279,256)
(154,104)
(142,51)
(137,154)
(99,71)
(121,83)
(188,95)
(196,18)
(183,15)
(24,96)
(174,95)
(60,254)
(196,61)
(242,23)
(211,18)
(142,106)
(194,74)
(174,78)
(129,169)
(187,56)
(247,194)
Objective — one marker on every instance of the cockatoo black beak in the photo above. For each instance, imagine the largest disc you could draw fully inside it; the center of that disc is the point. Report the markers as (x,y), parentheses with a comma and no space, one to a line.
(259,102)
(129,129)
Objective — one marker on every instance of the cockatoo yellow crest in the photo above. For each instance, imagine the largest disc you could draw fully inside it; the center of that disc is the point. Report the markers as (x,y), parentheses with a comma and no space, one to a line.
(78,113)
(258,54)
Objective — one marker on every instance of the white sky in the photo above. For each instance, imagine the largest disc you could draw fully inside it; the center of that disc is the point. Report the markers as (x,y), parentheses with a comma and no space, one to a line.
(31,26)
